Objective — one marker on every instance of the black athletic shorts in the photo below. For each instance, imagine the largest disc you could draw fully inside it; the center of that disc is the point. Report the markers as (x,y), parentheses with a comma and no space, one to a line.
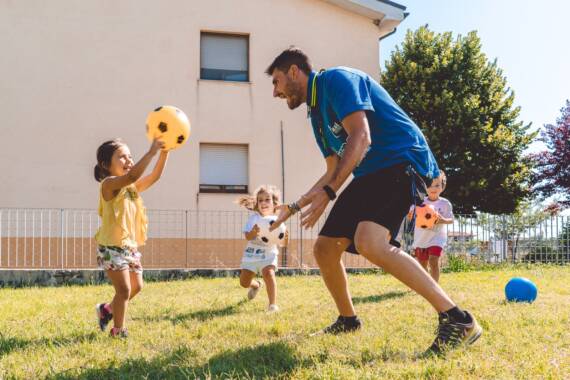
(383,197)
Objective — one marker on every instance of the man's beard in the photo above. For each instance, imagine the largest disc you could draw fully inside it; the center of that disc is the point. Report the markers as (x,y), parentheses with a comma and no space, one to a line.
(293,91)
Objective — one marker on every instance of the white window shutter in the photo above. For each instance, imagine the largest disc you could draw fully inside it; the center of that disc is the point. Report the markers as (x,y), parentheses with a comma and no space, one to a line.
(222,164)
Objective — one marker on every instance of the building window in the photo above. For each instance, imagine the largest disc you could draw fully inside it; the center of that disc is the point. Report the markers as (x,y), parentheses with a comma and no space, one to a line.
(223,168)
(224,57)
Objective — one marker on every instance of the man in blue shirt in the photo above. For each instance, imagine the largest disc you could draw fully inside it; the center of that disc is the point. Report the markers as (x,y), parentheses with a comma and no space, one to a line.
(361,130)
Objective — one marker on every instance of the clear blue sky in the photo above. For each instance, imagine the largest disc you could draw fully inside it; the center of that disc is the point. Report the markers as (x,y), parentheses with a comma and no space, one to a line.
(530,39)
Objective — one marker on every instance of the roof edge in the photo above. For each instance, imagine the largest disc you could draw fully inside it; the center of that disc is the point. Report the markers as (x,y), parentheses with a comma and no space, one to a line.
(382,10)
(394,4)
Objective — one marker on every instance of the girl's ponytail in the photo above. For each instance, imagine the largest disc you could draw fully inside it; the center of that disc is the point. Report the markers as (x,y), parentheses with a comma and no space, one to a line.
(247,201)
(100,173)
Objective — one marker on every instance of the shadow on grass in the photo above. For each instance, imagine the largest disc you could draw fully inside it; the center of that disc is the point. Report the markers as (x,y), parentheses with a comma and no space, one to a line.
(269,360)
(9,343)
(207,314)
(200,315)
(379,298)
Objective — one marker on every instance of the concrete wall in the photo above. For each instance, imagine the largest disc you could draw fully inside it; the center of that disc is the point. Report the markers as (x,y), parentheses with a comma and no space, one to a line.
(73,74)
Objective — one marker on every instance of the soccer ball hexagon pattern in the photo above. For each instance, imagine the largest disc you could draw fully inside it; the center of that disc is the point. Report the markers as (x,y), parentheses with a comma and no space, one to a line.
(168,124)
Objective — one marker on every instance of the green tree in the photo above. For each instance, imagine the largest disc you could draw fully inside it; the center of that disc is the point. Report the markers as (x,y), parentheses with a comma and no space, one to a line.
(462,103)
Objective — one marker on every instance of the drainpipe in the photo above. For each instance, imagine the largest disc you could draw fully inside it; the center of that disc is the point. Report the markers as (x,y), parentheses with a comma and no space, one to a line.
(378,23)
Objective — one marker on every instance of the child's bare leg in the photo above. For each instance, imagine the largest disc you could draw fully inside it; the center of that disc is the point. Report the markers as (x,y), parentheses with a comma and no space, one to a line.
(434,267)
(269,278)
(246,279)
(136,284)
(122,284)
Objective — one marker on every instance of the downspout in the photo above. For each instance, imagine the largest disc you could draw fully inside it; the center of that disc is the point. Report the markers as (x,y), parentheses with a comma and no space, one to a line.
(284,256)
(378,23)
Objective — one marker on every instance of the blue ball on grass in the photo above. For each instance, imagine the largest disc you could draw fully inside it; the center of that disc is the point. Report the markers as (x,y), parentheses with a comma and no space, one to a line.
(520,289)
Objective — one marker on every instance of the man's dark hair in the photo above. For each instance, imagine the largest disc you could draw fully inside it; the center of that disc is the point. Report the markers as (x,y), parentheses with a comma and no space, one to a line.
(291,56)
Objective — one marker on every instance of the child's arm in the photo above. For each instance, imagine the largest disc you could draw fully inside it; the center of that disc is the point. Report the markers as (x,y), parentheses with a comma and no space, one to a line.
(251,235)
(111,185)
(443,220)
(147,181)
(447,218)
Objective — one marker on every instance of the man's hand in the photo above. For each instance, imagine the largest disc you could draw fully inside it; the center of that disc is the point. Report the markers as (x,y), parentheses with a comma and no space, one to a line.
(319,200)
(253,234)
(255,230)
(284,214)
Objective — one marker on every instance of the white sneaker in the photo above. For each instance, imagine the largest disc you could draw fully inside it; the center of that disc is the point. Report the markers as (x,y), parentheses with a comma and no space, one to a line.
(253,291)
(273,308)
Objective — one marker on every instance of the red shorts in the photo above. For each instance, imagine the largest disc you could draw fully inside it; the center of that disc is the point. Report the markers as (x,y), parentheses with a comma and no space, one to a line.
(423,254)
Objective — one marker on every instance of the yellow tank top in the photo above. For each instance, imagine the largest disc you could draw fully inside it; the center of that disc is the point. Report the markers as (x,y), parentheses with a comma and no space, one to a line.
(123,219)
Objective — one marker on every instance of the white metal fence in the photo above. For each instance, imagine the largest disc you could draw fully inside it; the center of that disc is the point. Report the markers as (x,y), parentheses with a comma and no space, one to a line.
(63,239)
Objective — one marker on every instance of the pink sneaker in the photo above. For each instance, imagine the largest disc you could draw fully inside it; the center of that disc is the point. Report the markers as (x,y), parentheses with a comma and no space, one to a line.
(104,316)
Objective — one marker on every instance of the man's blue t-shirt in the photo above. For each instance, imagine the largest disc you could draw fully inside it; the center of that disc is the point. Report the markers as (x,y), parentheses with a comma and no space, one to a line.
(396,139)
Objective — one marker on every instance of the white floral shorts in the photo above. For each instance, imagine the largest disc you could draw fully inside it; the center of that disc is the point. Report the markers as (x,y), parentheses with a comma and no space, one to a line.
(118,259)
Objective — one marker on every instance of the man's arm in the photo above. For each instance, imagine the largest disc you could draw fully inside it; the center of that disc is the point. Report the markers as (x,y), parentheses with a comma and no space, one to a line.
(332,163)
(338,170)
(285,211)
(357,143)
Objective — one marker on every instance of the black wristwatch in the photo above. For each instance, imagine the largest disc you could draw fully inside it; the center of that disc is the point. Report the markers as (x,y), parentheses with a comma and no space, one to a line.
(330,192)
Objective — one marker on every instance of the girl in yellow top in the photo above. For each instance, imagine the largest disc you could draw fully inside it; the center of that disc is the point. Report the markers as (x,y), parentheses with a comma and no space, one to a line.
(123,223)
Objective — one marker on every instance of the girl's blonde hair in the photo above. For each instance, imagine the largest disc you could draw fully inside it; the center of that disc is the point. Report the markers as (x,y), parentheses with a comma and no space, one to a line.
(249,201)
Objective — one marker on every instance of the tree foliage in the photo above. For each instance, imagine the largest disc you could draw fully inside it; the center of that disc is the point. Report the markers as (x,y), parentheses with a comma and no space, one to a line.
(462,103)
(552,175)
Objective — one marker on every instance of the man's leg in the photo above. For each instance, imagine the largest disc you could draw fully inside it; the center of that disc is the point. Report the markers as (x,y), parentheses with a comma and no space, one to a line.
(328,252)
(372,242)
(456,326)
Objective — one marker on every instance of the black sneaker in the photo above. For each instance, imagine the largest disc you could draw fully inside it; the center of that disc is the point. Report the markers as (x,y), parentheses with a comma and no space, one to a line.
(452,334)
(103,316)
(341,325)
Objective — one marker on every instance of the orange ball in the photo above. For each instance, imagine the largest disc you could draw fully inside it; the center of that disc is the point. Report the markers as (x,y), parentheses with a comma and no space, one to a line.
(169,124)
(426,216)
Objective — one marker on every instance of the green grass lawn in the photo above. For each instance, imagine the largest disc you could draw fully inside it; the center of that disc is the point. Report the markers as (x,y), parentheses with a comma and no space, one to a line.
(204,328)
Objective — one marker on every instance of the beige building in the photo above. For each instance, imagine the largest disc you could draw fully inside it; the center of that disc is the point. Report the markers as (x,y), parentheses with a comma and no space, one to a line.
(74,74)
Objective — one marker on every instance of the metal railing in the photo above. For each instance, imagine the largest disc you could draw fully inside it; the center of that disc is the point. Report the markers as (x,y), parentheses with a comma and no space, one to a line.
(63,239)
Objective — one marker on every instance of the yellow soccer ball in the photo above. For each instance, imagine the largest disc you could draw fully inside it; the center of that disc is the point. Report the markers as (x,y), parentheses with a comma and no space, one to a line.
(169,124)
